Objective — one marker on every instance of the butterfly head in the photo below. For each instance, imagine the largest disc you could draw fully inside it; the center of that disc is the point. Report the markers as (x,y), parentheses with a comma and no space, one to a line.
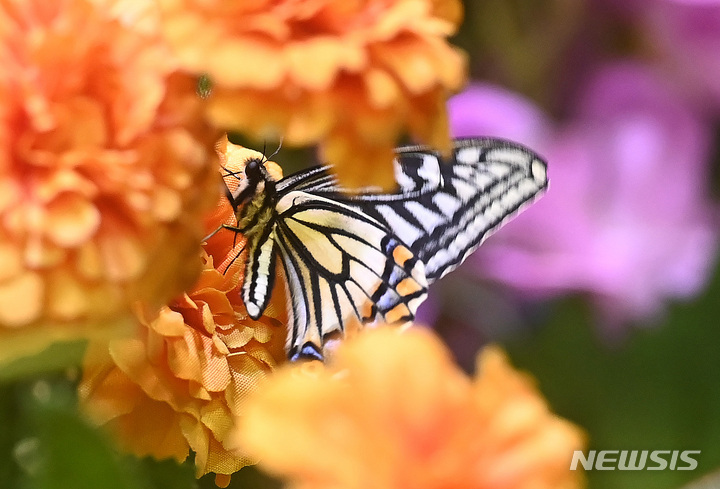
(257,181)
(254,170)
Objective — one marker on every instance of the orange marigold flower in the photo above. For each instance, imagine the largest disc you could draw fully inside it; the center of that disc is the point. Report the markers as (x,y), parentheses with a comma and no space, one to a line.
(181,381)
(105,170)
(393,411)
(353,76)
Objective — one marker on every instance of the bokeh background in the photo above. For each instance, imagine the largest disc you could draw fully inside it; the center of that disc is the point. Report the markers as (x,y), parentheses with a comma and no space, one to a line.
(606,290)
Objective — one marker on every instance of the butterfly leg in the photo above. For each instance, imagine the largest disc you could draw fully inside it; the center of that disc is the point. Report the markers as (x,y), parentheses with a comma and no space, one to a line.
(220,228)
(237,255)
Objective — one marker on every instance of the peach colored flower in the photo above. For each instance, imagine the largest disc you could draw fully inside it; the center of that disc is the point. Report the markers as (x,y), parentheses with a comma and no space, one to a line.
(351,76)
(105,170)
(180,382)
(393,411)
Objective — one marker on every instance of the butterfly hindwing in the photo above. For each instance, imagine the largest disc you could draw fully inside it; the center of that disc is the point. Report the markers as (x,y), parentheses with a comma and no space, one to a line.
(341,264)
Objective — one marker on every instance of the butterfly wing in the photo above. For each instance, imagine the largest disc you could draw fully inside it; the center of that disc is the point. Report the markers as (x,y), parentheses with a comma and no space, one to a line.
(370,256)
(341,265)
(444,210)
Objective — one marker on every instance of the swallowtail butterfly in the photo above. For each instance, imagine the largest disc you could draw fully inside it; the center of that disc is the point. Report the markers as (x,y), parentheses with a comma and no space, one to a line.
(370,256)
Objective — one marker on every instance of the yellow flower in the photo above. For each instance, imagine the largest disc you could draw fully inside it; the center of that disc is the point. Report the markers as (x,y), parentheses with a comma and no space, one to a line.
(351,76)
(392,411)
(105,171)
(181,381)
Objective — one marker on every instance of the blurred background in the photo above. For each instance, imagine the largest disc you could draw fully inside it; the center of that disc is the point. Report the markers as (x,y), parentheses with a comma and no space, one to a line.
(605,290)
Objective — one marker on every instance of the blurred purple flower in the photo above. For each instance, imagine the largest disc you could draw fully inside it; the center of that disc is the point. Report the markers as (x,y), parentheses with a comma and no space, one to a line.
(688,33)
(685,37)
(626,218)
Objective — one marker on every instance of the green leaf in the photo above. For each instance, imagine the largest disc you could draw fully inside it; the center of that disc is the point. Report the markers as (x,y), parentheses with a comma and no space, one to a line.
(57,356)
(658,389)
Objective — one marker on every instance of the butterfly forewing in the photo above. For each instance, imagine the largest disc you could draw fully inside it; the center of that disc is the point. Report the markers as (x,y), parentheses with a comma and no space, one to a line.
(443,210)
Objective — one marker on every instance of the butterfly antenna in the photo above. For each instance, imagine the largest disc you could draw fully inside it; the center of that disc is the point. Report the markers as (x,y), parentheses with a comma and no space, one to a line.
(277,150)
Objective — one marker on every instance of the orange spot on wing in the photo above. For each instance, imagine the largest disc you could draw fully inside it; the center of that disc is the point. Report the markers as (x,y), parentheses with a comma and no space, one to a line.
(408,286)
(401,255)
(366,309)
(397,313)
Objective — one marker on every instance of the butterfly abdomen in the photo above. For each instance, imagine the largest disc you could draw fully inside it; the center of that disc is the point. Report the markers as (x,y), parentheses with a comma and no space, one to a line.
(256,220)
(257,214)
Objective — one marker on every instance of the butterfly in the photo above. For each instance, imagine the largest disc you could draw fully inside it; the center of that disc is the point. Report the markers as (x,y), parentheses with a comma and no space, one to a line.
(366,256)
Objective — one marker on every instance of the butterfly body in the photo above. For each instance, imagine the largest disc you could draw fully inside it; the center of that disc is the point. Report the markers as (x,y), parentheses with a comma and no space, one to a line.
(366,256)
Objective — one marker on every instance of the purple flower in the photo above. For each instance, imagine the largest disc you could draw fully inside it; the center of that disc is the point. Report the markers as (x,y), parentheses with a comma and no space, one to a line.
(491,111)
(685,37)
(689,34)
(626,218)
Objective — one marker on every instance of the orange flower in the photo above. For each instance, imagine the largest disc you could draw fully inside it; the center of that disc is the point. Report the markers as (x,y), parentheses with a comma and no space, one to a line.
(105,170)
(180,382)
(393,412)
(352,76)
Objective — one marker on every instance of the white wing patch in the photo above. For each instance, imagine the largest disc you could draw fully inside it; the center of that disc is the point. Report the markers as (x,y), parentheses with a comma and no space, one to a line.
(429,172)
(468,156)
(257,282)
(428,219)
(464,189)
(447,204)
(399,225)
